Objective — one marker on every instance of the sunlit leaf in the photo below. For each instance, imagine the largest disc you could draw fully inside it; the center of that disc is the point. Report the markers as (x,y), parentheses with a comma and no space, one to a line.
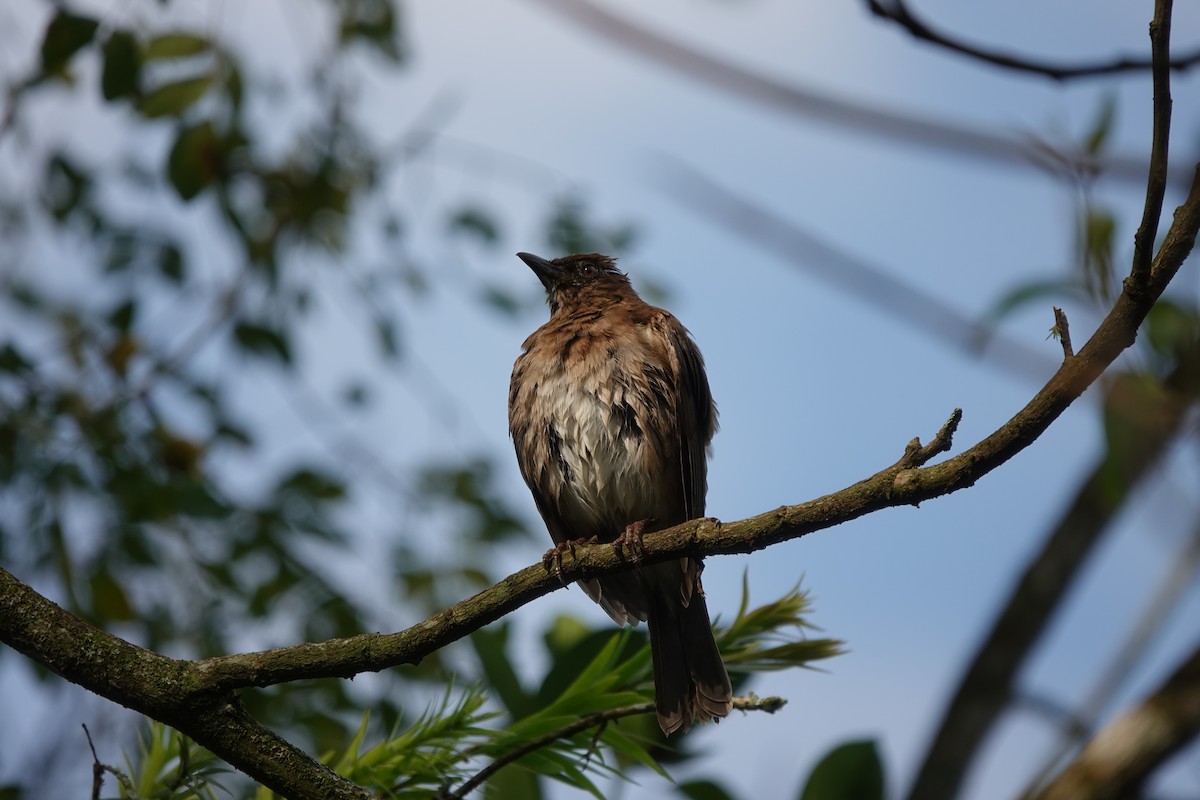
(175,45)
(1172,329)
(174,98)
(1102,126)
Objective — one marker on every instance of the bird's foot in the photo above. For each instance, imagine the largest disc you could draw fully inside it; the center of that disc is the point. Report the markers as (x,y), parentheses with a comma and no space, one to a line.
(552,560)
(631,540)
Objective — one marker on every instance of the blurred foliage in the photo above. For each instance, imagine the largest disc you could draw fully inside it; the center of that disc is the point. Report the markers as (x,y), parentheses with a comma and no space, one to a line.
(557,729)
(1171,332)
(162,276)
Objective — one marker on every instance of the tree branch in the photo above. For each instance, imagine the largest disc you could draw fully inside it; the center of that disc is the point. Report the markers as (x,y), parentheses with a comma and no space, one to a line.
(986,686)
(898,11)
(162,688)
(1156,180)
(1181,574)
(1120,758)
(196,697)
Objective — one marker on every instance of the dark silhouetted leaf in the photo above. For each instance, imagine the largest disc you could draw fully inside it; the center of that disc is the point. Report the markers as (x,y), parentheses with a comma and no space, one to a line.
(64,186)
(123,315)
(262,341)
(12,361)
(314,484)
(122,66)
(66,35)
(191,163)
(703,790)
(851,771)
(372,22)
(170,263)
(174,98)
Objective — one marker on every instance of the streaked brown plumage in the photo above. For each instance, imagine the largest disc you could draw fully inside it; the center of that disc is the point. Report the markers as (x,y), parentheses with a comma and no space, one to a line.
(611,416)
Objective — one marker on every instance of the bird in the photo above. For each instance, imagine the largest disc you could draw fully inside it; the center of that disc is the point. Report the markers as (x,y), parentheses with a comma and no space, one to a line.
(611,417)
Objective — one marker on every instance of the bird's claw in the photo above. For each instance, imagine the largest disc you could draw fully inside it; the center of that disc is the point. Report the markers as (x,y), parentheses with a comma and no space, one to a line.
(631,540)
(552,560)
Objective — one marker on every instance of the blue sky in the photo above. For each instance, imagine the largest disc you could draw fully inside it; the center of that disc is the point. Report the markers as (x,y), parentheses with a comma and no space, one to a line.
(816,389)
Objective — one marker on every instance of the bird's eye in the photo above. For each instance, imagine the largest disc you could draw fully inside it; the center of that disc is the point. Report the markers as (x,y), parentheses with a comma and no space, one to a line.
(587,269)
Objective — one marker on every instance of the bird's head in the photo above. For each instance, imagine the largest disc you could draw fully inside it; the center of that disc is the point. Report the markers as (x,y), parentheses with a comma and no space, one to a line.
(579,280)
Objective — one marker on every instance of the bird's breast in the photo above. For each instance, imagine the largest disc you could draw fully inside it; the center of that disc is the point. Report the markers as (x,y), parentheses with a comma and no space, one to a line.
(592,437)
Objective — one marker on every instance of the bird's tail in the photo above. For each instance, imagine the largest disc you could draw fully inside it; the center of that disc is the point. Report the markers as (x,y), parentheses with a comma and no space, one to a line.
(690,681)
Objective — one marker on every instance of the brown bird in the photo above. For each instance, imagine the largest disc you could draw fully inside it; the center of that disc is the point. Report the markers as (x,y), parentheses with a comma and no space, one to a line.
(611,416)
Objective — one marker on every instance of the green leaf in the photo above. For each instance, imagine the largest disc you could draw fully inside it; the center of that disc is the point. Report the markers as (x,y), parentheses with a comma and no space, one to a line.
(1103,125)
(122,66)
(262,341)
(851,771)
(66,35)
(1026,293)
(1172,329)
(191,163)
(491,646)
(476,223)
(173,99)
(109,601)
(175,45)
(1096,257)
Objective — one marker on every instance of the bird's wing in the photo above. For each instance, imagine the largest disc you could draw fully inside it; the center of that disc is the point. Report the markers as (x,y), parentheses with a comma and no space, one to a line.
(695,412)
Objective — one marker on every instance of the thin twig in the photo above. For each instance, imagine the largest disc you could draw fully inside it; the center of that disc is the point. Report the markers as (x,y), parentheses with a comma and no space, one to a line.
(898,11)
(97,767)
(1156,179)
(917,456)
(1062,332)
